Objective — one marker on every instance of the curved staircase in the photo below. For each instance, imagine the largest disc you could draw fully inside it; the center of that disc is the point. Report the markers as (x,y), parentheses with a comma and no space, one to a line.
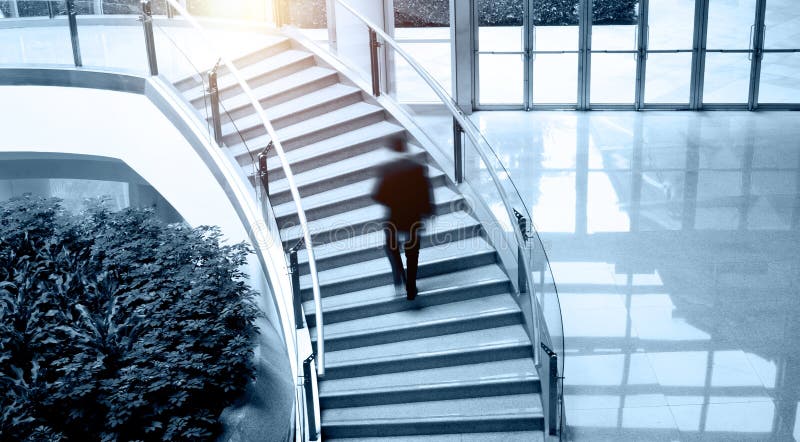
(457,364)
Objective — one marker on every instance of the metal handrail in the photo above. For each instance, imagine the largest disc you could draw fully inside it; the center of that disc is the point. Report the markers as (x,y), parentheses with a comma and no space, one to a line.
(287,170)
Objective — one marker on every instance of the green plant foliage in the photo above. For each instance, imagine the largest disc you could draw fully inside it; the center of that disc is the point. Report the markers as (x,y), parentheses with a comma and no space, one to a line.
(116,326)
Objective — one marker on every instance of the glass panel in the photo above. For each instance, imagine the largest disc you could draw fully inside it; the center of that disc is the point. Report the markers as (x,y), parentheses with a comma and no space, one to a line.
(555,26)
(308,14)
(782,31)
(727,78)
(555,78)
(729,23)
(613,78)
(114,46)
(46,43)
(671,24)
(434,58)
(668,78)
(614,24)
(780,78)
(501,79)
(499,31)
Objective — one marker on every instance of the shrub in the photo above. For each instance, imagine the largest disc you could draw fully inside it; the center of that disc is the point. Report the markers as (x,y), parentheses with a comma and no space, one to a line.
(116,326)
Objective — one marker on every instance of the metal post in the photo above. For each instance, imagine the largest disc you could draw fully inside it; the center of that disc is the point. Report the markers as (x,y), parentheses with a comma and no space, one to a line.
(458,151)
(522,278)
(72,18)
(97,7)
(551,407)
(213,92)
(294,269)
(262,168)
(50,9)
(170,11)
(309,390)
(373,61)
(149,38)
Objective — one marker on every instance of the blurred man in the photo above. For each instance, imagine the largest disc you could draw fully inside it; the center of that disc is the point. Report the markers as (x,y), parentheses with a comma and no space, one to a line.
(403,187)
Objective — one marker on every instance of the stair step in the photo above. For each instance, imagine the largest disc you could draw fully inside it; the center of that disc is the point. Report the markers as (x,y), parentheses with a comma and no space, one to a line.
(277,45)
(473,314)
(259,73)
(281,90)
(439,229)
(314,129)
(521,412)
(290,112)
(521,367)
(340,173)
(434,290)
(334,149)
(500,436)
(433,261)
(471,347)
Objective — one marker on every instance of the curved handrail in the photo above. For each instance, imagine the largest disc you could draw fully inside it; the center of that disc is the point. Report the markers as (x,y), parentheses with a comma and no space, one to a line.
(287,170)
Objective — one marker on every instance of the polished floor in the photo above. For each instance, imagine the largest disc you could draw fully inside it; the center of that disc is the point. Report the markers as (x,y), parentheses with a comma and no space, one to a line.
(674,238)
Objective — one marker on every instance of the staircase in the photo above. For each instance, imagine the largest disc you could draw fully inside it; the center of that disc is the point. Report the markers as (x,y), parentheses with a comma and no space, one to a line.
(454,365)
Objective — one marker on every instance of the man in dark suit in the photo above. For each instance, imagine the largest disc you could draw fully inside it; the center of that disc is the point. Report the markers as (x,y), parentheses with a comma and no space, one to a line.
(403,187)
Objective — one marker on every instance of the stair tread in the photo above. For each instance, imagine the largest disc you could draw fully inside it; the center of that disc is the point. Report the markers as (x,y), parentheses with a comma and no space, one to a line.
(471,308)
(368,160)
(414,348)
(290,107)
(262,67)
(504,436)
(279,86)
(435,225)
(386,293)
(330,119)
(363,134)
(359,190)
(510,369)
(448,251)
(446,410)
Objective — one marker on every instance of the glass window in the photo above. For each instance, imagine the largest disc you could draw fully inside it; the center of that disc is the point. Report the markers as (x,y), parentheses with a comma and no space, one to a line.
(555,78)
(727,78)
(729,23)
(780,78)
(782,32)
(668,77)
(613,78)
(501,79)
(671,24)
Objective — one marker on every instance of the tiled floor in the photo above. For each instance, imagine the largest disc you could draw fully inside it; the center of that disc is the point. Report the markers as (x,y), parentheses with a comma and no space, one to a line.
(674,239)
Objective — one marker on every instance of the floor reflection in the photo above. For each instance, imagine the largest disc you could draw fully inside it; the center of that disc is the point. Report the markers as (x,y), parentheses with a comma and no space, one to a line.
(674,240)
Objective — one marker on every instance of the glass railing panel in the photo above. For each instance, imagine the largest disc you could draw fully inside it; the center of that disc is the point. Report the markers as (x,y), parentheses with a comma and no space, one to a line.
(34,32)
(118,45)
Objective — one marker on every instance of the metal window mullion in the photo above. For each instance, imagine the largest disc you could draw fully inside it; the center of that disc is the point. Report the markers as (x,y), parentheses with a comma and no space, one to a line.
(758,48)
(527,59)
(699,54)
(641,57)
(584,57)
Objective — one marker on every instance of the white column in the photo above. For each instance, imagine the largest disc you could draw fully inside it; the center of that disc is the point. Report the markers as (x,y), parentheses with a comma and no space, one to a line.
(352,38)
(461,51)
(98,7)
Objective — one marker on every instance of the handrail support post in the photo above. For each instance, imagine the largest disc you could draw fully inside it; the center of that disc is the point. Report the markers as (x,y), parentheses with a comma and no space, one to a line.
(149,38)
(373,62)
(309,390)
(263,172)
(213,92)
(72,19)
(294,269)
(458,151)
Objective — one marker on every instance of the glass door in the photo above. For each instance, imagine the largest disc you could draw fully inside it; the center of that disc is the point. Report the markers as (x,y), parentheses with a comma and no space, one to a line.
(614,50)
(668,44)
(729,51)
(555,37)
(500,61)
(779,82)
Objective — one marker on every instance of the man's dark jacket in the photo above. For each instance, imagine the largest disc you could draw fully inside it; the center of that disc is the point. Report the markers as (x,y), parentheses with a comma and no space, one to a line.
(403,187)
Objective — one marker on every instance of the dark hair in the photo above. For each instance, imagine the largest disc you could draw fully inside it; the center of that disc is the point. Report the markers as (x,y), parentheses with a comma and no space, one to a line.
(397,144)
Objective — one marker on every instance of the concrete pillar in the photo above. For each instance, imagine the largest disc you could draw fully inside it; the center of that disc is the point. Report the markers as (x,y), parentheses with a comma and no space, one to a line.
(462,47)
